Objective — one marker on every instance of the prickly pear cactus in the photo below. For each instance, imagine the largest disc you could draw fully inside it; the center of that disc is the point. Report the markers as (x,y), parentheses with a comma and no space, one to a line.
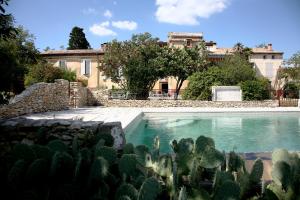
(211,158)
(107,137)
(182,194)
(228,190)
(127,190)
(164,166)
(98,171)
(149,190)
(257,171)
(23,152)
(16,173)
(221,177)
(37,173)
(75,146)
(57,145)
(185,146)
(281,174)
(143,155)
(108,153)
(235,162)
(124,197)
(202,143)
(42,152)
(128,164)
(128,149)
(61,167)
(280,155)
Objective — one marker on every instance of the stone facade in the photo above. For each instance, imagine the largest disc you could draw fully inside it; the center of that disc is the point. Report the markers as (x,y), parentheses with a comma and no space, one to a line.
(40,97)
(78,95)
(22,130)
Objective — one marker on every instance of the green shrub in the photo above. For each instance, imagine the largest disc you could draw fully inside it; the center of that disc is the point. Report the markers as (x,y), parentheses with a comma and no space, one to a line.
(45,72)
(255,89)
(291,90)
(200,83)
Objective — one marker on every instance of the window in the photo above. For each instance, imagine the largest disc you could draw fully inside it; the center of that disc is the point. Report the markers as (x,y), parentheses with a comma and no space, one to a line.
(85,67)
(264,56)
(62,64)
(269,70)
(273,57)
(189,42)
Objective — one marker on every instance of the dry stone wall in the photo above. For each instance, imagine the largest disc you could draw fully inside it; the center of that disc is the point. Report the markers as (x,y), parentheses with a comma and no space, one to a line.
(40,97)
(100,97)
(29,131)
(78,95)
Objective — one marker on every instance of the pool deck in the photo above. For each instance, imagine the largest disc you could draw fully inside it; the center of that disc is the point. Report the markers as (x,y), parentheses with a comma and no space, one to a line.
(126,115)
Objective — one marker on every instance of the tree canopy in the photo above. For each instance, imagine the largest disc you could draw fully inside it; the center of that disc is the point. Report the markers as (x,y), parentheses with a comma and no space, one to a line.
(183,62)
(77,39)
(16,55)
(233,70)
(135,64)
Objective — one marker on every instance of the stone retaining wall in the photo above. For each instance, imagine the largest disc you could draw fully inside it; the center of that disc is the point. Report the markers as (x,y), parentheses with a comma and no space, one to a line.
(29,131)
(100,97)
(40,97)
(78,95)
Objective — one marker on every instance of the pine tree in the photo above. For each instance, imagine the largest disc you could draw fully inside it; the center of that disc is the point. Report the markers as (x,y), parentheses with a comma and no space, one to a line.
(77,39)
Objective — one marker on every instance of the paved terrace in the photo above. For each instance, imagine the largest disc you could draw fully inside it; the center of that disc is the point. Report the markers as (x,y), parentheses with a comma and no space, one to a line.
(127,115)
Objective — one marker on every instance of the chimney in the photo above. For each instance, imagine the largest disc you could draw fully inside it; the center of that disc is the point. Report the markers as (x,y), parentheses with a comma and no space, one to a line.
(103,46)
(270,47)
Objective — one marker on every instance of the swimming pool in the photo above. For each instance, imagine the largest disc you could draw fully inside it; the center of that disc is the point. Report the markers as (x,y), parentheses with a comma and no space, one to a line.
(242,132)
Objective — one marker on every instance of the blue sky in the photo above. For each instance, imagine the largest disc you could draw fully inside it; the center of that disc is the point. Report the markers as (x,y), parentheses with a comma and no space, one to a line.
(227,22)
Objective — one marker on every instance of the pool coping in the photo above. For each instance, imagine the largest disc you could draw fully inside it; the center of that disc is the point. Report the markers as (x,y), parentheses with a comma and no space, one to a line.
(127,115)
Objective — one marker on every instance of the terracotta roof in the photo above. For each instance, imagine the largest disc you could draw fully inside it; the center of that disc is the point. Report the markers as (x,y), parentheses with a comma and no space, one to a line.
(73,52)
(185,34)
(265,50)
(222,51)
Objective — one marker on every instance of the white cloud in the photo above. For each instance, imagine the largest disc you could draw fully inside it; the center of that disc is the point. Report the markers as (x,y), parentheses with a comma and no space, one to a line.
(125,25)
(107,14)
(187,12)
(114,2)
(102,29)
(89,11)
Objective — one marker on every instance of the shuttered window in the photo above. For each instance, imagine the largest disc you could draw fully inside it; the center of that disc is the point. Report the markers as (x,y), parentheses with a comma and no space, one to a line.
(86,67)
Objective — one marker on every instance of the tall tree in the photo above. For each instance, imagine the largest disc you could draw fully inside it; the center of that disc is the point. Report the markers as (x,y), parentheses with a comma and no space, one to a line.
(183,62)
(17,54)
(7,29)
(135,64)
(77,39)
(241,50)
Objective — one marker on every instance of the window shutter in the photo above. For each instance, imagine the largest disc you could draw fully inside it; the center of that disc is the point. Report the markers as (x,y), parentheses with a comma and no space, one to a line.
(89,68)
(82,69)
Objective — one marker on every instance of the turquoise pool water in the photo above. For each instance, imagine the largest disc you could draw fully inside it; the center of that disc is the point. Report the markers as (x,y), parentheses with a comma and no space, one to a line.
(242,132)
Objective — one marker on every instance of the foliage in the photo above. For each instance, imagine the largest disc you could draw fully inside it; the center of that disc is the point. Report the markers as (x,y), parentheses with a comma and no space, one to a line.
(291,90)
(135,64)
(7,29)
(77,39)
(200,83)
(255,89)
(294,61)
(233,70)
(194,171)
(16,55)
(183,62)
(45,72)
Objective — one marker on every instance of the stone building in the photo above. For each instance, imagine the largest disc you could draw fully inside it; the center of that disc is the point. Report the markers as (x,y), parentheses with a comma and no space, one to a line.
(266,61)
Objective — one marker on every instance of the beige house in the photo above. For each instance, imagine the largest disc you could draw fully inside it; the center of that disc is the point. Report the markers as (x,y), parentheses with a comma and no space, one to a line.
(266,62)
(84,62)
